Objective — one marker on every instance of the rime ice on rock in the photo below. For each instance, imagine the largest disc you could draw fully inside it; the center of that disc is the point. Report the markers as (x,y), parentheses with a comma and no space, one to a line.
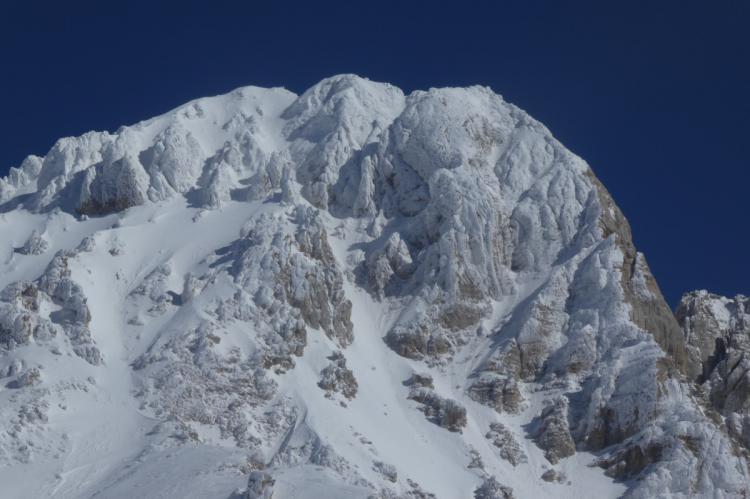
(225,248)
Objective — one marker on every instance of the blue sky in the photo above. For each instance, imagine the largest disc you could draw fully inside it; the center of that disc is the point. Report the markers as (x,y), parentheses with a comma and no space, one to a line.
(652,94)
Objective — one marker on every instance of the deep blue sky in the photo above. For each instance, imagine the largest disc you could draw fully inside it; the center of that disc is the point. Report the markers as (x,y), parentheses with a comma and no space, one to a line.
(654,95)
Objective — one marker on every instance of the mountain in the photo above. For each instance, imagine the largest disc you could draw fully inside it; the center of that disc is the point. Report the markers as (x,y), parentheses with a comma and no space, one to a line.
(349,293)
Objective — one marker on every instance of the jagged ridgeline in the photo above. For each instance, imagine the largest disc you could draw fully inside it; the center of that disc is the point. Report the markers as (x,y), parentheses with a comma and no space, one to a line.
(349,293)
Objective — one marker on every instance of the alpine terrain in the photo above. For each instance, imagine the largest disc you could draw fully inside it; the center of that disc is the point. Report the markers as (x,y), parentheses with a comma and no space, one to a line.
(351,293)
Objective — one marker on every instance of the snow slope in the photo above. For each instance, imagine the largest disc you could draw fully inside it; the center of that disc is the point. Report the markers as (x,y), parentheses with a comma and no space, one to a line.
(347,293)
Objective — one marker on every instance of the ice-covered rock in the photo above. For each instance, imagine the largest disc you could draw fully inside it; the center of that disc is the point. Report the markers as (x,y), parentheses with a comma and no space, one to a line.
(492,489)
(717,331)
(259,486)
(36,244)
(330,123)
(29,377)
(227,247)
(552,433)
(444,412)
(336,377)
(552,475)
(25,315)
(387,470)
(507,445)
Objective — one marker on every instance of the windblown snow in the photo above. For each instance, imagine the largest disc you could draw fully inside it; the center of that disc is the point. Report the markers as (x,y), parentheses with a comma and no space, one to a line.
(349,293)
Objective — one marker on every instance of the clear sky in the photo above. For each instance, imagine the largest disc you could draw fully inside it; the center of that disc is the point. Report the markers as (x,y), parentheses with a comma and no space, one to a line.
(654,95)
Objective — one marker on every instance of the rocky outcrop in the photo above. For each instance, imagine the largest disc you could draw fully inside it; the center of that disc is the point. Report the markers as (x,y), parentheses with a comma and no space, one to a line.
(387,470)
(20,180)
(304,446)
(34,245)
(387,265)
(418,342)
(190,380)
(259,486)
(323,305)
(99,173)
(712,325)
(507,447)
(717,332)
(497,380)
(501,393)
(286,284)
(492,489)
(336,378)
(552,475)
(552,433)
(112,187)
(155,288)
(29,377)
(329,123)
(631,461)
(444,412)
(24,319)
(648,309)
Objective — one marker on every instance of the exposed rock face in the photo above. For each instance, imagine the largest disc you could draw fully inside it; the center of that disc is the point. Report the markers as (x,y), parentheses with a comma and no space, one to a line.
(113,187)
(226,248)
(491,489)
(330,123)
(323,305)
(189,380)
(23,305)
(335,377)
(100,173)
(502,394)
(387,470)
(388,266)
(552,433)
(553,476)
(497,380)
(288,283)
(34,245)
(446,413)
(632,461)
(507,445)
(29,377)
(648,309)
(712,325)
(717,331)
(259,486)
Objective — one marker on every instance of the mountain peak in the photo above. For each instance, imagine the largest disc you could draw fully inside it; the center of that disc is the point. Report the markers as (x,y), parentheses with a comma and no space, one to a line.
(349,293)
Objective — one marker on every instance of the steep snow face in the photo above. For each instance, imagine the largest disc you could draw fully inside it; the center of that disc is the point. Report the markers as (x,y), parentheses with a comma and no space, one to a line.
(350,293)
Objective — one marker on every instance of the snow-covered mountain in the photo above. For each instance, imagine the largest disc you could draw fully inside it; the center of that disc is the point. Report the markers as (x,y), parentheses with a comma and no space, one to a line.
(349,293)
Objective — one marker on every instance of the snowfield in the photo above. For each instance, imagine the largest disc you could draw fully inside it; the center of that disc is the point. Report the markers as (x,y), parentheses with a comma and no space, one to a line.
(349,293)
